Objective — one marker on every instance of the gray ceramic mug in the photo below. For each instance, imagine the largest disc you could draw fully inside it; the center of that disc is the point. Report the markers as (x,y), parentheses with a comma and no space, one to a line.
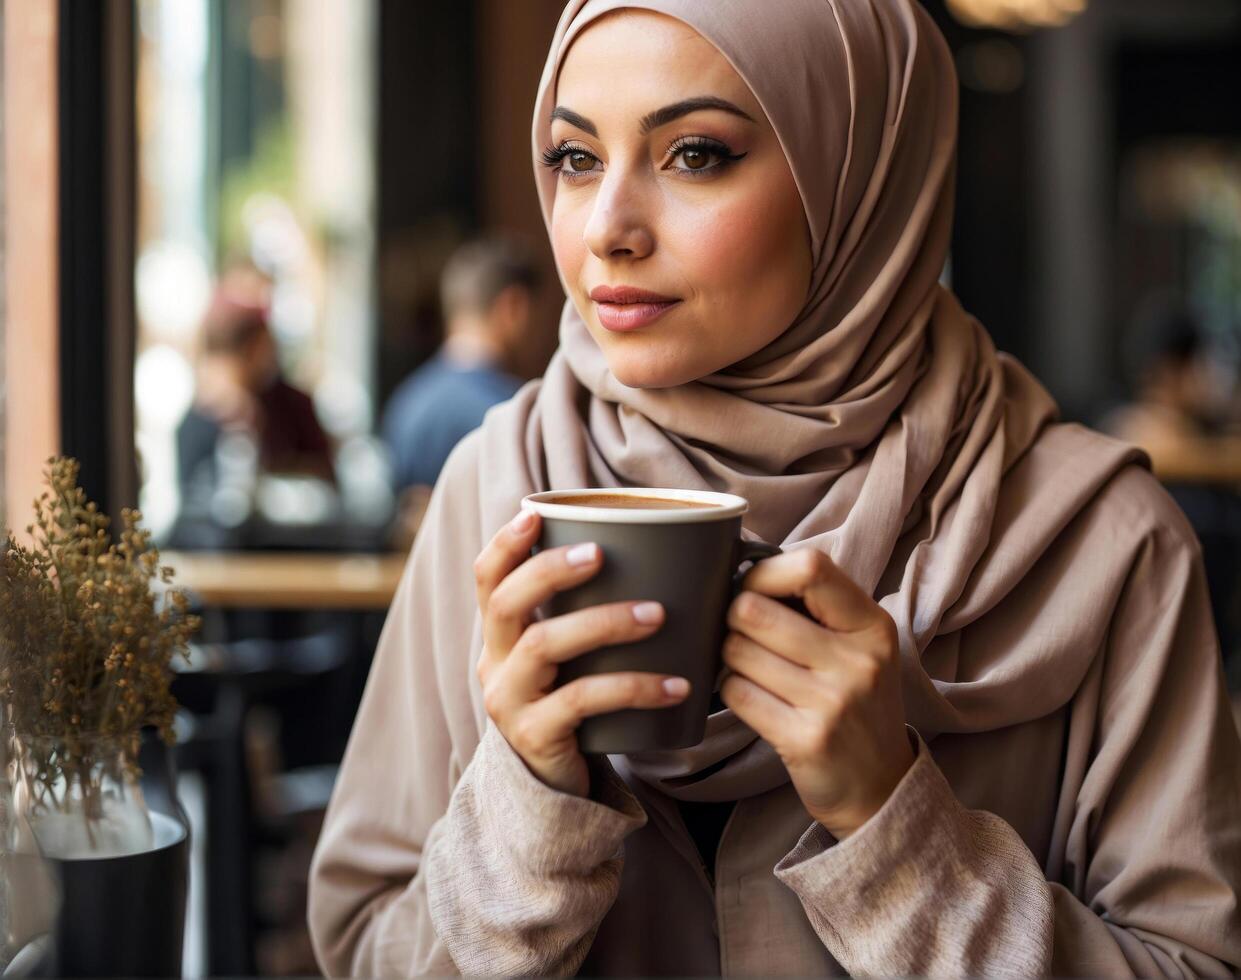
(687,559)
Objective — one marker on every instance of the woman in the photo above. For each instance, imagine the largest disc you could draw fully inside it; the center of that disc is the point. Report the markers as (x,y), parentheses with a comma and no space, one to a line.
(1019,592)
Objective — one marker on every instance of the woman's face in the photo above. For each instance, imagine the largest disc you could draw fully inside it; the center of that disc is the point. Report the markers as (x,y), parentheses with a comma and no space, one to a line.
(698,207)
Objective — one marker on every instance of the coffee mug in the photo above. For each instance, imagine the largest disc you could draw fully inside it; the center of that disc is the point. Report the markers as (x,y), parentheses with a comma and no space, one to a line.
(681,548)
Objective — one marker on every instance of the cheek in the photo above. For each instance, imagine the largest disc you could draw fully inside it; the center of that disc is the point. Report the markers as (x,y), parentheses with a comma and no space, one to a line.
(751,261)
(725,245)
(568,244)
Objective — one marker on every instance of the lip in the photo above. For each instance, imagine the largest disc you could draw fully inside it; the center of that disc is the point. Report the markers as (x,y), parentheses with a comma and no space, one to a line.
(626,295)
(622,308)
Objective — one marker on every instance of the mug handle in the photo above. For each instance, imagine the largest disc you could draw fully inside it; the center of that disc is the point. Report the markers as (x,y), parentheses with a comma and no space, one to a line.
(756,551)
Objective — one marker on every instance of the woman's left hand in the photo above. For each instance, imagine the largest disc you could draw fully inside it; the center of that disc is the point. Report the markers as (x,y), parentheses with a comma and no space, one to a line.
(826,695)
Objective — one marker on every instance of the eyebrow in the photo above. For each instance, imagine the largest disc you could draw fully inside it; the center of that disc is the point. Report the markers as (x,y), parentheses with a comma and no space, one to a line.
(660,117)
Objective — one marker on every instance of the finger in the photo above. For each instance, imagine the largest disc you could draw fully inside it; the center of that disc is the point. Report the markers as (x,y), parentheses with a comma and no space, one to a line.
(553,641)
(833,598)
(563,710)
(511,606)
(508,548)
(759,708)
(778,628)
(788,681)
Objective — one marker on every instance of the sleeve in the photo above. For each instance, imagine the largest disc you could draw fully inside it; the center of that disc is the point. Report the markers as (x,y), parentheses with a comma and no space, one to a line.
(426,865)
(520,875)
(929,888)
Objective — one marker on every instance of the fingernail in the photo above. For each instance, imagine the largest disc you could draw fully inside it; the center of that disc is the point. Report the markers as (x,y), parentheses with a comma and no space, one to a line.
(582,554)
(522,521)
(676,687)
(648,613)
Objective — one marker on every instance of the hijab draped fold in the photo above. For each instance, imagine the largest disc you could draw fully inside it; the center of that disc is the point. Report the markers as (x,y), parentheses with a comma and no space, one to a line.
(882,427)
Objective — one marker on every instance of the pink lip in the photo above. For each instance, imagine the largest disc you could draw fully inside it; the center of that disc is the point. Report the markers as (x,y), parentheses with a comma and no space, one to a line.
(628,307)
(620,317)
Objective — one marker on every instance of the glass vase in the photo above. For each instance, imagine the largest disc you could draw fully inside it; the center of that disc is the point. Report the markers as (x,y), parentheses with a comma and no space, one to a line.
(80,796)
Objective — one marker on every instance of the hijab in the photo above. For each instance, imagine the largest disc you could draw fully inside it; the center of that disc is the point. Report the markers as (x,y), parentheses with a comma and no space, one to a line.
(880,427)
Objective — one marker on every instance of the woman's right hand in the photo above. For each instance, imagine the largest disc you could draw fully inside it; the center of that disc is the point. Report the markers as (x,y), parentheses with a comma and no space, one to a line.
(517,668)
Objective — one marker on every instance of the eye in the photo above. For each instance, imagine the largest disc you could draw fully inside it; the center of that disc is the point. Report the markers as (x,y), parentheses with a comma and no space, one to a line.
(697,151)
(695,158)
(580,161)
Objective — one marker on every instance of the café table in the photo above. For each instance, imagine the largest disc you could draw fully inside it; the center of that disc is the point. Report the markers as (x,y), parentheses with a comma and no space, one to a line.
(287,580)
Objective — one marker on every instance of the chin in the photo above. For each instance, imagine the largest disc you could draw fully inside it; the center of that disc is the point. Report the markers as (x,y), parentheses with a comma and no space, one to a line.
(651,371)
(653,358)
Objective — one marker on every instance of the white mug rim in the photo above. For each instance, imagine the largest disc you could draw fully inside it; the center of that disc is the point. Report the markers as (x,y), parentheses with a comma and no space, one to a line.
(724,506)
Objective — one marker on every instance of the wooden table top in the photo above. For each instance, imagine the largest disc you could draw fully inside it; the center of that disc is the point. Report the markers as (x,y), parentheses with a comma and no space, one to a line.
(286,580)
(1222,469)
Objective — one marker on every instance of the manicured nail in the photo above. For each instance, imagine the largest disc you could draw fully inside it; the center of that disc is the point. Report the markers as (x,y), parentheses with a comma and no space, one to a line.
(676,687)
(582,554)
(648,613)
(522,522)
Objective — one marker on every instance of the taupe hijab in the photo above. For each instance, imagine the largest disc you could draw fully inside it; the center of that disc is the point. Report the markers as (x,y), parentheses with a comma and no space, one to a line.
(879,427)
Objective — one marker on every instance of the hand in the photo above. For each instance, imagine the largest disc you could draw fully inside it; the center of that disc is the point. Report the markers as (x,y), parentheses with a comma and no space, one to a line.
(826,695)
(518,664)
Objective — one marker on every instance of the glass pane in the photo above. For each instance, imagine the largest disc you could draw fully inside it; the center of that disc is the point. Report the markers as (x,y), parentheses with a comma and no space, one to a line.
(256,182)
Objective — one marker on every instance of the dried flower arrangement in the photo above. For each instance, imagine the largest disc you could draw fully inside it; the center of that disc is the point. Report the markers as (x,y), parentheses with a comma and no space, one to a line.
(85,646)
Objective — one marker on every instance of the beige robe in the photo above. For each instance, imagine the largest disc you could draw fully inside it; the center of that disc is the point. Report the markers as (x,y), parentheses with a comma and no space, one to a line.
(442,854)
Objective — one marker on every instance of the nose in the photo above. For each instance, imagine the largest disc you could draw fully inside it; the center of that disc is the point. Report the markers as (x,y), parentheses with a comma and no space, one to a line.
(619,226)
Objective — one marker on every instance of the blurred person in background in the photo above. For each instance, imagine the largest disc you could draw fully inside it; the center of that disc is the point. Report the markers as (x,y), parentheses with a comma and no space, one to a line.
(486,292)
(240,390)
(1184,416)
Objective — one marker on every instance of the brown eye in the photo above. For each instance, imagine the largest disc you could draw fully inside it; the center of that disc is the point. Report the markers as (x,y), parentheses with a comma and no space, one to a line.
(581,162)
(701,157)
(695,159)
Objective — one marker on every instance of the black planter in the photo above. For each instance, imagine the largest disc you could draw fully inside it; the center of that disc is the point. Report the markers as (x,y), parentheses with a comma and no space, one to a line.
(124,916)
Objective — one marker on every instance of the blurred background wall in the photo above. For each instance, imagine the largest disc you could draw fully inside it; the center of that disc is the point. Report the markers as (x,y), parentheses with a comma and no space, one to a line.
(1098,178)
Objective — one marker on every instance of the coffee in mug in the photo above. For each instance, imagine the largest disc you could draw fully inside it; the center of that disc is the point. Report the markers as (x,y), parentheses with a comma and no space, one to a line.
(632,501)
(681,548)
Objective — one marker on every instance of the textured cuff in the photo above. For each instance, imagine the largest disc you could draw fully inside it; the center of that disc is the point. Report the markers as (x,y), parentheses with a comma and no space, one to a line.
(519,875)
(906,845)
(544,829)
(925,887)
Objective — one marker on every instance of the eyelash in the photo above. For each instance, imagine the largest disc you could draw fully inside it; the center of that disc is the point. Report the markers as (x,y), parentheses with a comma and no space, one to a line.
(554,155)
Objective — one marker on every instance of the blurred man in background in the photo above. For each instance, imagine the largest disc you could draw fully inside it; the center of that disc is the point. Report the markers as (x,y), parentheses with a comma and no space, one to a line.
(486,292)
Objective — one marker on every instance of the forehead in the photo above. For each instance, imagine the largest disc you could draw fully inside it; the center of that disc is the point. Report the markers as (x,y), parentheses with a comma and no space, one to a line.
(629,61)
